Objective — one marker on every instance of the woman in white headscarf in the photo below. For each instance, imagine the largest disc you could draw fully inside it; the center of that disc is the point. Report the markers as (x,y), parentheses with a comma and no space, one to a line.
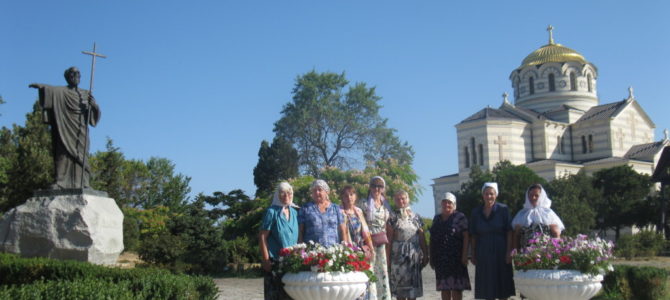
(279,229)
(536,216)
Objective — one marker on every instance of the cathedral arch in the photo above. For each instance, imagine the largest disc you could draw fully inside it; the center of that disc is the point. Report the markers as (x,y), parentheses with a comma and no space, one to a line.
(552,82)
(531,85)
(589,82)
(573,81)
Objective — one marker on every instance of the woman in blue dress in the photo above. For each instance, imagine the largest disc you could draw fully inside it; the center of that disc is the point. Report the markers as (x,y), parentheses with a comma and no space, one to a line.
(491,238)
(279,229)
(320,220)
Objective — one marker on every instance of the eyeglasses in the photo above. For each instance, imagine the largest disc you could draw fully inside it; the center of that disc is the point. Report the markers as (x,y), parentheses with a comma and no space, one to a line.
(379,186)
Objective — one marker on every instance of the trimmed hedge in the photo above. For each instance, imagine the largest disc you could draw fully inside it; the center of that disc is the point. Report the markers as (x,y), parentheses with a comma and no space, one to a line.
(42,278)
(635,283)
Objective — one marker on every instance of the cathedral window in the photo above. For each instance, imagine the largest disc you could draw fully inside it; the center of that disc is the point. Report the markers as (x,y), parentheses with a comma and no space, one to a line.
(558,144)
(590,143)
(467,157)
(481,154)
(531,85)
(562,144)
(588,81)
(474,151)
(583,144)
(573,81)
(552,83)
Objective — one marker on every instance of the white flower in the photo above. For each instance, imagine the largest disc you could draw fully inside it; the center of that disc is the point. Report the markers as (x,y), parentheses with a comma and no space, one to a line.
(315,268)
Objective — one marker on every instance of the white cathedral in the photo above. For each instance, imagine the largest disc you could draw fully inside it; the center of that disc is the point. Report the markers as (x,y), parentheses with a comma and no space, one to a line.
(556,125)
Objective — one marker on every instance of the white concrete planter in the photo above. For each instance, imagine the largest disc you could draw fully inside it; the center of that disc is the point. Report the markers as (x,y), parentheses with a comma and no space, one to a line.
(557,284)
(325,286)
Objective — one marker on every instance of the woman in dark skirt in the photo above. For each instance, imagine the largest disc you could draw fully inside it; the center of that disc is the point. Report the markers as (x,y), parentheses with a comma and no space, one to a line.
(449,241)
(491,240)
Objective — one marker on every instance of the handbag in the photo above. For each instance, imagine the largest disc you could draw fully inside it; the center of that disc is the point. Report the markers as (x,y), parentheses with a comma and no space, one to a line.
(379,239)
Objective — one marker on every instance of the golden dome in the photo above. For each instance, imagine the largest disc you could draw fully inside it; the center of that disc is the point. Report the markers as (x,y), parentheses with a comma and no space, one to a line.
(552,53)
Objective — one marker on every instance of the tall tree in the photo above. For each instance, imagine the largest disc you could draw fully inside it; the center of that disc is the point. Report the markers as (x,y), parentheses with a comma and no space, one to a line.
(623,190)
(573,199)
(163,186)
(470,194)
(31,165)
(107,167)
(276,162)
(333,128)
(513,180)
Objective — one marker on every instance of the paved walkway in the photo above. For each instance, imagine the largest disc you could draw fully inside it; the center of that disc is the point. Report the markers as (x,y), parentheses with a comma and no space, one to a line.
(252,289)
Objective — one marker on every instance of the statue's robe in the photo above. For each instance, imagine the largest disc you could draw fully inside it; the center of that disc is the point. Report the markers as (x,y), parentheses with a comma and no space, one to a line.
(65,113)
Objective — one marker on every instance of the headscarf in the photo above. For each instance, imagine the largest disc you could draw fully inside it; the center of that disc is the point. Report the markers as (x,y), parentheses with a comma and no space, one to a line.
(540,214)
(404,212)
(450,197)
(371,202)
(320,183)
(493,185)
(282,186)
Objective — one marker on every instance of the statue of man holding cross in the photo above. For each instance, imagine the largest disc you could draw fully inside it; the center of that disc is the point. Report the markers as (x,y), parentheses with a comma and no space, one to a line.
(69,110)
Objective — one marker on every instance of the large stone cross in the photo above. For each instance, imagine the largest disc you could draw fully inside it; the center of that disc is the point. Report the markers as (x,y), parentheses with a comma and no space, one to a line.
(500,142)
(620,136)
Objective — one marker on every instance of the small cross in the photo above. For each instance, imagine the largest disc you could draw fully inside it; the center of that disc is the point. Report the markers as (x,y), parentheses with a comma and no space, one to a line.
(551,34)
(500,142)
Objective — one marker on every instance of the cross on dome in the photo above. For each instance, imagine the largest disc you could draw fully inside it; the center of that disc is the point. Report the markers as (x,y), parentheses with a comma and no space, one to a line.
(551,34)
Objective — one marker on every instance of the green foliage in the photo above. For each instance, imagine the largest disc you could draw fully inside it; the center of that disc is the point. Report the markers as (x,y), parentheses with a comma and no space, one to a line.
(573,198)
(276,162)
(26,163)
(645,243)
(470,195)
(330,127)
(623,190)
(513,181)
(397,176)
(41,278)
(135,183)
(635,283)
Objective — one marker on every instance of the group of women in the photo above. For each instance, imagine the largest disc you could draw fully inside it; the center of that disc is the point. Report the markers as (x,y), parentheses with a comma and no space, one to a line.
(395,241)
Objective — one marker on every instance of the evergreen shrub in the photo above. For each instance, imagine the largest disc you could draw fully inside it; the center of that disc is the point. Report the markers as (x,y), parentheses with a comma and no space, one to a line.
(635,283)
(42,278)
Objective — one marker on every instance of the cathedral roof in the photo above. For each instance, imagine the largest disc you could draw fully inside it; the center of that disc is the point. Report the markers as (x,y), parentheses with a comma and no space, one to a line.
(645,151)
(552,52)
(604,111)
(492,114)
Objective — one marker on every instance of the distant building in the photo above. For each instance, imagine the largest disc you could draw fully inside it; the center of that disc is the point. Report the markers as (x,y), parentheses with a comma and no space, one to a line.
(556,124)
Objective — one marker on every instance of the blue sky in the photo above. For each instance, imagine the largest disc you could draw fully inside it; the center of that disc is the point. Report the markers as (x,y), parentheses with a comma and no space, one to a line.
(202,82)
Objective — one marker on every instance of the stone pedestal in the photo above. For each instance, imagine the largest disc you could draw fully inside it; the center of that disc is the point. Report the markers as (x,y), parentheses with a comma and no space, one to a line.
(77,224)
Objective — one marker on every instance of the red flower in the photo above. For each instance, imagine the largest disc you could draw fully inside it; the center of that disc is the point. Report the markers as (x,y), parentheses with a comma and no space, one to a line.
(284,252)
(307,261)
(565,259)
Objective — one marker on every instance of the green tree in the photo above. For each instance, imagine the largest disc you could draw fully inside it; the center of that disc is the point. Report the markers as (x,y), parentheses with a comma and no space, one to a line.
(276,162)
(28,165)
(573,199)
(470,195)
(623,190)
(333,128)
(163,186)
(107,168)
(513,180)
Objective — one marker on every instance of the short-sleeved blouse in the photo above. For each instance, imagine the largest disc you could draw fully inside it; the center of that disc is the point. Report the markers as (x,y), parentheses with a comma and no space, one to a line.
(322,228)
(283,232)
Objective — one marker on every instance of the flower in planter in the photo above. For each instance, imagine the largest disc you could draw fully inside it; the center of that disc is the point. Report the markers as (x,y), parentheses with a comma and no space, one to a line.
(313,257)
(589,256)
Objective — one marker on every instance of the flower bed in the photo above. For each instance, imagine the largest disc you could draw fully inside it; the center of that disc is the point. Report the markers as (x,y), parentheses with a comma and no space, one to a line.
(589,256)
